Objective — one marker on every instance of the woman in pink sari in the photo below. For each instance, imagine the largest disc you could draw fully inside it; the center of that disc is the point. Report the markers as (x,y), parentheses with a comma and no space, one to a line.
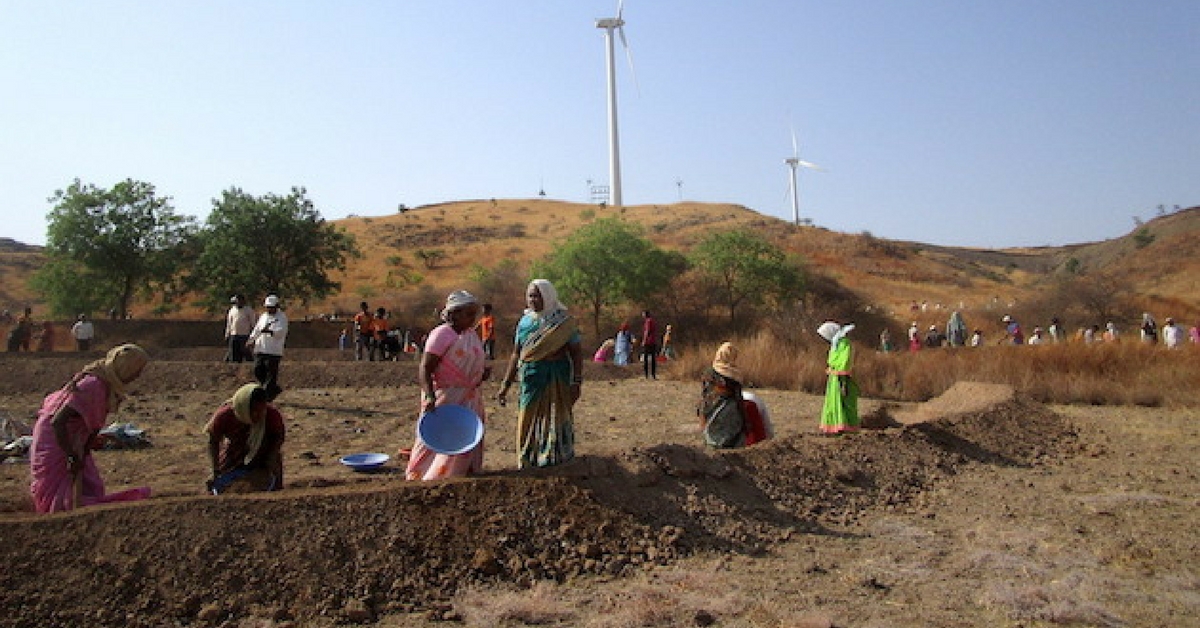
(452,369)
(65,475)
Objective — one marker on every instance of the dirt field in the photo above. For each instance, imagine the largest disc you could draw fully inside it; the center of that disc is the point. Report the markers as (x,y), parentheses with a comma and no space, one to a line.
(977,509)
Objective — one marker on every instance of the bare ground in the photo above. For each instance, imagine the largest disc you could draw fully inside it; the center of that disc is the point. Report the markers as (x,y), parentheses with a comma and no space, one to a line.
(978,509)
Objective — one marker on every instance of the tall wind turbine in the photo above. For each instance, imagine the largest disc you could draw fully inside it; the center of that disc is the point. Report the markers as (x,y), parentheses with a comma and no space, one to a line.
(610,24)
(793,163)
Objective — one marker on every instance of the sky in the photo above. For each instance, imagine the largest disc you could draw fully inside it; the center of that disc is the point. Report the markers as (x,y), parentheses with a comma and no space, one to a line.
(989,124)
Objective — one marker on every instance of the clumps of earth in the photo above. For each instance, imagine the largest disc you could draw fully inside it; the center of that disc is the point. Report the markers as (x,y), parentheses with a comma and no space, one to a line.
(350,554)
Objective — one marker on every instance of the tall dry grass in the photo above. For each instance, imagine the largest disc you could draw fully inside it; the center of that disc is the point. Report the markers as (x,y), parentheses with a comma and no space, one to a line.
(1125,373)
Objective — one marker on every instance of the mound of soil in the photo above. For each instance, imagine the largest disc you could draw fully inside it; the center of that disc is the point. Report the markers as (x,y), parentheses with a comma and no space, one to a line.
(351,553)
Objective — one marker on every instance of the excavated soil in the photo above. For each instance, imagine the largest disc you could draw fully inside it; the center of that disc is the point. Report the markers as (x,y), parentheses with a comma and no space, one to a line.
(642,497)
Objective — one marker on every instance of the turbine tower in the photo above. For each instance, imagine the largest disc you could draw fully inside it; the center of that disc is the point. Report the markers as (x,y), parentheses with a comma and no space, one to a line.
(610,24)
(793,163)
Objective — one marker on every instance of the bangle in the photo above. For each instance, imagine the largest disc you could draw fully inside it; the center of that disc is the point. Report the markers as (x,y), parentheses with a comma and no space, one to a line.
(577,381)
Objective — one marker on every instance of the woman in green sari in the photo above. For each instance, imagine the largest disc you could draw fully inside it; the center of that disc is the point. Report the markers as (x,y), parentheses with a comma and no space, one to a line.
(840,413)
(548,359)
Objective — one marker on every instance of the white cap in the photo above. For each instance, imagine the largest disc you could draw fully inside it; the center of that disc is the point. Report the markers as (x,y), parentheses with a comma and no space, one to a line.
(272,301)
(1006,319)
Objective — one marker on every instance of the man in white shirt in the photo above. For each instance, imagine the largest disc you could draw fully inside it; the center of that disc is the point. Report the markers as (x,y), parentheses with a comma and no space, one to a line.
(238,324)
(1172,334)
(83,331)
(267,338)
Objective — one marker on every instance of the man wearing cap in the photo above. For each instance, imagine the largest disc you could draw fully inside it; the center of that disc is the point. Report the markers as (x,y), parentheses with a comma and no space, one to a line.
(238,324)
(267,339)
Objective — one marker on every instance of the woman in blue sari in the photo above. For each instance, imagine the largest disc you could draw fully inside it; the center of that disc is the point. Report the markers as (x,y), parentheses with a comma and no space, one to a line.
(549,362)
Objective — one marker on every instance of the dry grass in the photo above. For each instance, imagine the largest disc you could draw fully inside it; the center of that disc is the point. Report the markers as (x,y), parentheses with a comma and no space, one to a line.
(666,599)
(1127,373)
(1058,603)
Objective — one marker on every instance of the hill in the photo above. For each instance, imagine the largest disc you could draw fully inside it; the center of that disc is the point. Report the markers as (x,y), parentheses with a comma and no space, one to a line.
(410,259)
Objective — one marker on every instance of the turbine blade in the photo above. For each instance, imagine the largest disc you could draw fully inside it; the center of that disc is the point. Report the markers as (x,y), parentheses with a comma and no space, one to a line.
(620,8)
(795,146)
(629,58)
(811,166)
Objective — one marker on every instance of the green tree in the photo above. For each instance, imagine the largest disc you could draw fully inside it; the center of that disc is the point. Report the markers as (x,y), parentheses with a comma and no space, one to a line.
(106,246)
(746,270)
(430,257)
(269,244)
(1142,238)
(605,263)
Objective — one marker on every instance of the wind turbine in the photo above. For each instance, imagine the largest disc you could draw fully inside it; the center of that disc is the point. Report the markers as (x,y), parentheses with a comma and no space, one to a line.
(793,163)
(610,24)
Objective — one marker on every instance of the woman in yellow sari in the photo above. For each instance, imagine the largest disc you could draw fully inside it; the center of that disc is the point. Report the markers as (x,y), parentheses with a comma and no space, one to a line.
(548,358)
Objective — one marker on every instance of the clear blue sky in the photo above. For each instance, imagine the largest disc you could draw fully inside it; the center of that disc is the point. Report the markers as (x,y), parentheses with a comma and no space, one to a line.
(994,124)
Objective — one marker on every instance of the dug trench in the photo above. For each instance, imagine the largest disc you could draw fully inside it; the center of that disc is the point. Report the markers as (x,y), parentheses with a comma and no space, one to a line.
(352,553)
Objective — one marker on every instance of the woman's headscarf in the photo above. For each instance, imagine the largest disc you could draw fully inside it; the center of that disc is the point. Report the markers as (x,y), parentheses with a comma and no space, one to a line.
(240,402)
(550,302)
(832,332)
(725,362)
(120,366)
(456,301)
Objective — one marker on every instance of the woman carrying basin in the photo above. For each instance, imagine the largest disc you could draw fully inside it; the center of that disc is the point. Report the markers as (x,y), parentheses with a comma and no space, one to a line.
(452,369)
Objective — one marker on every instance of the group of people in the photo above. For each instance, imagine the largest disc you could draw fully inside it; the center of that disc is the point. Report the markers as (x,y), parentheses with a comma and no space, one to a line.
(1170,334)
(261,338)
(245,436)
(373,336)
(246,433)
(620,347)
(24,333)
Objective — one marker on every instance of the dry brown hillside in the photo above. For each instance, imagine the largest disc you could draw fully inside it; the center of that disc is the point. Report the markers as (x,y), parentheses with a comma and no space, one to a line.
(431,249)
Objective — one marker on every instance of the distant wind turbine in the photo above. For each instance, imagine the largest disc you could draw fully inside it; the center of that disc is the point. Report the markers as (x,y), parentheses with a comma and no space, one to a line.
(610,24)
(793,163)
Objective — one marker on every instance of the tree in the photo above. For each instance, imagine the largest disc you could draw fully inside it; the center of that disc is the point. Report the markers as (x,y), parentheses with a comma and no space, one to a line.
(745,269)
(604,263)
(1142,238)
(502,285)
(269,244)
(104,247)
(1098,296)
(430,257)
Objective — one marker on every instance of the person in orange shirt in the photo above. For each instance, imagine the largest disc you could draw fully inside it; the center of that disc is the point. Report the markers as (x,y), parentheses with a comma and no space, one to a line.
(380,325)
(487,332)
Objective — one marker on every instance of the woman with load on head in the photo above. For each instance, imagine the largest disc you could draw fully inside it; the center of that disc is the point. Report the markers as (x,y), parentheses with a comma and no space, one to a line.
(729,416)
(64,473)
(840,412)
(548,358)
(245,443)
(452,369)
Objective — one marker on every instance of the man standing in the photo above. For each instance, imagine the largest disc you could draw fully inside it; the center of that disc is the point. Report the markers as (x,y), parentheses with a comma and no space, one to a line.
(379,325)
(649,346)
(21,333)
(364,336)
(238,323)
(83,332)
(267,338)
